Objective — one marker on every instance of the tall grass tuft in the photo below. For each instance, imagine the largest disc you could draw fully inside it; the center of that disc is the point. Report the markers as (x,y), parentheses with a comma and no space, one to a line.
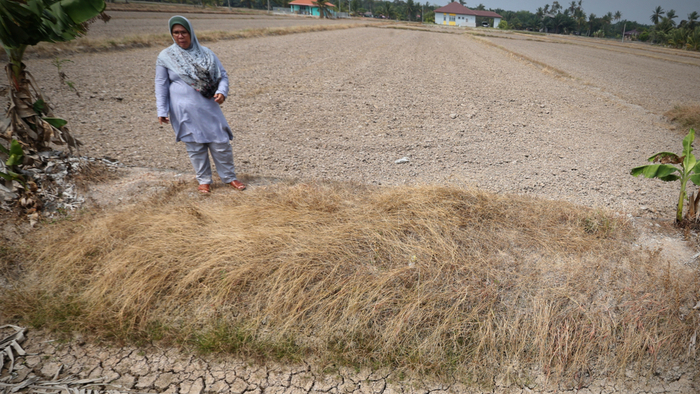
(431,279)
(687,116)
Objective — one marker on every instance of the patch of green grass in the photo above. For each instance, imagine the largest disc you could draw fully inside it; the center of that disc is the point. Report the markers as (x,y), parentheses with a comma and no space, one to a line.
(223,337)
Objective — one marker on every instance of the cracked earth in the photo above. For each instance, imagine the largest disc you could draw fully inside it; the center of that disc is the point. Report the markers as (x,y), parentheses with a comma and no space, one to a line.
(76,366)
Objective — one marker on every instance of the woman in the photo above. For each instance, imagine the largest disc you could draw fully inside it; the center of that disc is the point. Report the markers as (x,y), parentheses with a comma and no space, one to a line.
(191,83)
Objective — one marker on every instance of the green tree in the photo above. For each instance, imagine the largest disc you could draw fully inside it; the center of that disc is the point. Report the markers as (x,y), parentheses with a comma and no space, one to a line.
(671,15)
(556,7)
(617,16)
(694,39)
(692,20)
(592,19)
(607,21)
(568,24)
(387,10)
(355,6)
(581,21)
(24,23)
(411,10)
(657,14)
(678,38)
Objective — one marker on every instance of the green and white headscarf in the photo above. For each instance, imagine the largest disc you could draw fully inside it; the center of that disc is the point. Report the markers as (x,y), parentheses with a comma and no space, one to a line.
(194,65)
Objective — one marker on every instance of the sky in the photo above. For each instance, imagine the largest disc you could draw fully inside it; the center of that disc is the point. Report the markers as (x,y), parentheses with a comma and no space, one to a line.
(632,10)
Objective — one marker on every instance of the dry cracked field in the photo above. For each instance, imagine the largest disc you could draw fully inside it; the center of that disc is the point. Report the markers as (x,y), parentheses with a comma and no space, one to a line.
(552,117)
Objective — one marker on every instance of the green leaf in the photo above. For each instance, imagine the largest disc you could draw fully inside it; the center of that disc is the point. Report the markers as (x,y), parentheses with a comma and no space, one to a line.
(55,122)
(661,171)
(16,148)
(12,176)
(39,106)
(661,155)
(16,154)
(688,143)
(669,178)
(695,178)
(28,23)
(689,162)
(83,10)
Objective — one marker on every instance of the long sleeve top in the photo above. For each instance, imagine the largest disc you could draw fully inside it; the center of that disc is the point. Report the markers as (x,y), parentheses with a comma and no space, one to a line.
(194,118)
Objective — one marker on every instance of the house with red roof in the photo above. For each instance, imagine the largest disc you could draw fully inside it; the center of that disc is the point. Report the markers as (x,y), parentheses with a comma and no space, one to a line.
(455,14)
(307,7)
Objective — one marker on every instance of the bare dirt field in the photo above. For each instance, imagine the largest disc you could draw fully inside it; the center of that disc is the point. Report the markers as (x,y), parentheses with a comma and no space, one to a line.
(508,113)
(346,104)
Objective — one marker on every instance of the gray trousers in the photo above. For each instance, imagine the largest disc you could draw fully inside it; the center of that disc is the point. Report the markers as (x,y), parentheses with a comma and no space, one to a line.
(223,159)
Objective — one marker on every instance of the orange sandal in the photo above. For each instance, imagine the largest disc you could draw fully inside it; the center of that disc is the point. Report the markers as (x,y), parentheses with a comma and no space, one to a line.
(237,185)
(204,189)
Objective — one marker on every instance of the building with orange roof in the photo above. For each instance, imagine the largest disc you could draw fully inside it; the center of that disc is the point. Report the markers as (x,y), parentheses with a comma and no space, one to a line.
(308,7)
(455,14)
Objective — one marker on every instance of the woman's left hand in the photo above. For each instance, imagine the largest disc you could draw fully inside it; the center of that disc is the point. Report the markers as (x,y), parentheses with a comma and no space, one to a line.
(219,98)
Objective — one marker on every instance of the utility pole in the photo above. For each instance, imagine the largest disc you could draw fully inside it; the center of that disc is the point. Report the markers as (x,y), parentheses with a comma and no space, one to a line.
(624,27)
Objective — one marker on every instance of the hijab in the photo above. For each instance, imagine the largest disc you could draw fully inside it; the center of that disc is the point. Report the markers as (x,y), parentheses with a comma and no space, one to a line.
(195,65)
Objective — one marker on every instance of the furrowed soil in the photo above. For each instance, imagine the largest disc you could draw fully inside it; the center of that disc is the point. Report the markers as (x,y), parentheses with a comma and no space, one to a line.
(346,104)
(547,116)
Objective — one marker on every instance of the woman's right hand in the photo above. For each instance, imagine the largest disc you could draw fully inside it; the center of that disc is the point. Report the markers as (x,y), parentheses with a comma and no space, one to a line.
(163,119)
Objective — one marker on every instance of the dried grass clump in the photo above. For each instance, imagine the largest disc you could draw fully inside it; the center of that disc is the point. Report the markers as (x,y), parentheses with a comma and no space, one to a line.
(687,116)
(431,279)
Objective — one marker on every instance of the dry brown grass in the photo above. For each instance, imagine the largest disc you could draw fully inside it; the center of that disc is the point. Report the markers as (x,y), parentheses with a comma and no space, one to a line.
(431,279)
(687,116)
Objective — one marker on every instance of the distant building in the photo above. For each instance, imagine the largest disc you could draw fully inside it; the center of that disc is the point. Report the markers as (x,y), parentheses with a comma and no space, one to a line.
(307,7)
(455,14)
(629,35)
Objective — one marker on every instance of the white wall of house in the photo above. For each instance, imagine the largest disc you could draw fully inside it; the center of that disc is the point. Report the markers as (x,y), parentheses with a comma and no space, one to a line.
(496,21)
(468,20)
(455,19)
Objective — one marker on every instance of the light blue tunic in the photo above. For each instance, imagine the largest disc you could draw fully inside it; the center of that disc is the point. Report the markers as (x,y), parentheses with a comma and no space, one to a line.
(194,117)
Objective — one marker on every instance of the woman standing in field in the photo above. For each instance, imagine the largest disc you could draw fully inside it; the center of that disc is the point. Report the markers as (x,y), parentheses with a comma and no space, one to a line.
(191,83)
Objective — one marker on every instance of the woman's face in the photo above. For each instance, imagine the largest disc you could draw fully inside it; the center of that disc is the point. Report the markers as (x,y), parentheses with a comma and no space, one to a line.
(181,36)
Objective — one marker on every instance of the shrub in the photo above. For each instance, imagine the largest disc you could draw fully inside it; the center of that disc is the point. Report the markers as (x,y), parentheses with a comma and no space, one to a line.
(503,24)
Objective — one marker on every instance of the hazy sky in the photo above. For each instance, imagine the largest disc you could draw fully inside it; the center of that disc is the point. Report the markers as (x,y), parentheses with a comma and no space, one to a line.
(633,10)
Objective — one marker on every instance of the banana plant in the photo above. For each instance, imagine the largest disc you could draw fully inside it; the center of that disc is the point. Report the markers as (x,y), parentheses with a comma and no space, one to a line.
(667,171)
(15,155)
(25,23)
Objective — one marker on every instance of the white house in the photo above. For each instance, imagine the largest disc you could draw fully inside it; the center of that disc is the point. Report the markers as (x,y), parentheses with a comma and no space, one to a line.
(455,14)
